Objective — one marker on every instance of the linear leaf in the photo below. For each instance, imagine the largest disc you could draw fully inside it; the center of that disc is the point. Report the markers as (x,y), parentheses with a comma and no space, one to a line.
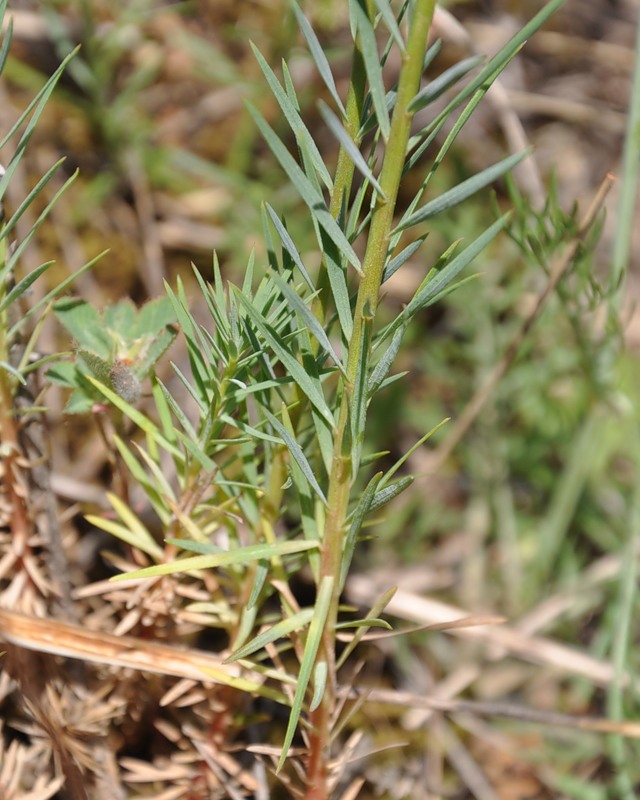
(339,288)
(377,608)
(20,288)
(372,65)
(349,146)
(297,453)
(307,318)
(241,555)
(360,512)
(307,190)
(132,531)
(462,191)
(314,637)
(319,57)
(381,369)
(300,131)
(136,417)
(390,21)
(320,675)
(387,494)
(403,256)
(292,365)
(446,80)
(277,631)
(289,246)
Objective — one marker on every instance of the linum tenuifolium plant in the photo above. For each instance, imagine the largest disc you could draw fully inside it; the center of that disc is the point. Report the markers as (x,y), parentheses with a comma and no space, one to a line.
(266,468)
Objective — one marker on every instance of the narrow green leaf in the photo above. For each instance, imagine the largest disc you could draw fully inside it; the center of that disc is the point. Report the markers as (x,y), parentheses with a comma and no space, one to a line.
(314,637)
(6,39)
(307,190)
(136,417)
(383,366)
(291,364)
(442,279)
(319,57)
(348,145)
(359,513)
(289,246)
(58,289)
(389,492)
(241,555)
(443,82)
(372,65)
(28,200)
(13,371)
(339,288)
(358,406)
(320,675)
(392,471)
(20,288)
(307,318)
(132,531)
(33,229)
(403,256)
(38,103)
(277,631)
(377,608)
(297,453)
(461,192)
(368,622)
(300,131)
(390,21)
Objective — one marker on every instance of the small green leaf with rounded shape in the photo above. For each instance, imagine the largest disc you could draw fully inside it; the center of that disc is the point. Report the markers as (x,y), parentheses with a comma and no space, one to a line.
(277,631)
(242,555)
(132,531)
(377,609)
(318,56)
(314,637)
(84,323)
(349,146)
(462,191)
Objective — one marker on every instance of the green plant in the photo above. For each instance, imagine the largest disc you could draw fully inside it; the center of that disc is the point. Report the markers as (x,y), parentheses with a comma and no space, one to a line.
(252,471)
(274,474)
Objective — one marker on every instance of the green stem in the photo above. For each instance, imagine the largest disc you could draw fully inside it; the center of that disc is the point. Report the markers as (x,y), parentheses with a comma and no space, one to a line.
(341,477)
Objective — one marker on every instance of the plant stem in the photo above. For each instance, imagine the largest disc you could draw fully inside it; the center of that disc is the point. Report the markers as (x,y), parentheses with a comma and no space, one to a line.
(342,477)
